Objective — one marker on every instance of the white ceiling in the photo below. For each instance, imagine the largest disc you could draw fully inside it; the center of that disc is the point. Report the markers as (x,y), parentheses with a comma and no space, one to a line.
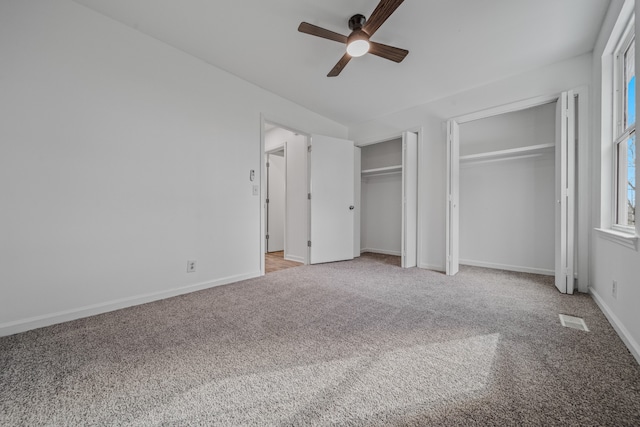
(453,45)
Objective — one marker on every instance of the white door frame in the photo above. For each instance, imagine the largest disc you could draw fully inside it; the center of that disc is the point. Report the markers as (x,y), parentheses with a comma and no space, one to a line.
(409,238)
(583,210)
(357,196)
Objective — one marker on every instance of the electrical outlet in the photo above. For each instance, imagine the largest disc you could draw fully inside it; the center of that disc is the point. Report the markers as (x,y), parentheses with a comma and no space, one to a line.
(191,266)
(614,289)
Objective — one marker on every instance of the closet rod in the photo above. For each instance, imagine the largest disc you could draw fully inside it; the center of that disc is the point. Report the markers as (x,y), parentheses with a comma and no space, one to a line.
(382,171)
(511,153)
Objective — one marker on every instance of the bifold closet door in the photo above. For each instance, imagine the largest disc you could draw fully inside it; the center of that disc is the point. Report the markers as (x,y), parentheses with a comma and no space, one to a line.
(565,192)
(331,199)
(409,242)
(453,196)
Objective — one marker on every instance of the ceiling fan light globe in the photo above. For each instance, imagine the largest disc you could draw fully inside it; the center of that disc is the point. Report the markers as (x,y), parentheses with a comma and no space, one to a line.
(358,48)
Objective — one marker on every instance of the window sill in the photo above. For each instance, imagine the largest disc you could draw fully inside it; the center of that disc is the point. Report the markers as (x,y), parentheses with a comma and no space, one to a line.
(627,240)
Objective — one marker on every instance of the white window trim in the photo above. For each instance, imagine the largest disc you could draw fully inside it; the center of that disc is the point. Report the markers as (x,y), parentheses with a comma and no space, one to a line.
(627,236)
(619,77)
(615,203)
(624,238)
(620,133)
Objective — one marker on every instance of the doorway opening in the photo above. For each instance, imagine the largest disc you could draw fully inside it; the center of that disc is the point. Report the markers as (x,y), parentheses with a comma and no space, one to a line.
(388,195)
(285,211)
(318,195)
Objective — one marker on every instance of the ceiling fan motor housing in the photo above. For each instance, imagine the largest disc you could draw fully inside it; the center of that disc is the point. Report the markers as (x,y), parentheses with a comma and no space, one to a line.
(356,22)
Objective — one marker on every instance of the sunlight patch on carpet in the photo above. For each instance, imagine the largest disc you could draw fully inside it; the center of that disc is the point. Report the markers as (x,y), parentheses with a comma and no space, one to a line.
(424,375)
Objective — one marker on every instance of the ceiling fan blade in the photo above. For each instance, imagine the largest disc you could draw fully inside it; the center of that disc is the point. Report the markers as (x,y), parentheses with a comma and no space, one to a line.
(384,9)
(388,52)
(340,65)
(314,30)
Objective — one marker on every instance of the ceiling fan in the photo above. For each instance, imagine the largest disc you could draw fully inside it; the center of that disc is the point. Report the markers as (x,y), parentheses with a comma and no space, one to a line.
(358,42)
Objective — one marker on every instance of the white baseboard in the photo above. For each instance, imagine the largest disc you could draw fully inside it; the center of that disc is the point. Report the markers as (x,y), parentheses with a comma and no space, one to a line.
(434,267)
(624,334)
(517,268)
(22,325)
(294,258)
(381,251)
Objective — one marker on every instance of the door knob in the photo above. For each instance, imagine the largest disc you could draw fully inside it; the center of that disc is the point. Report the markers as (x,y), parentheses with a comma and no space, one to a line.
(351,207)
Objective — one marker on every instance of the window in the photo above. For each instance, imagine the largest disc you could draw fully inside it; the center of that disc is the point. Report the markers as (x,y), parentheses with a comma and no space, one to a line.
(618,160)
(624,132)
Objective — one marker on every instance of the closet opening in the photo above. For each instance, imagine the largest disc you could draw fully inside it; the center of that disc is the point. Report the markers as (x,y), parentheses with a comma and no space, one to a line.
(381,198)
(507,191)
(513,200)
(388,200)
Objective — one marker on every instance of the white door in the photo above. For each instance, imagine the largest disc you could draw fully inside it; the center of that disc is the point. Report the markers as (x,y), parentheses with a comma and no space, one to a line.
(453,197)
(275,201)
(332,205)
(409,200)
(565,192)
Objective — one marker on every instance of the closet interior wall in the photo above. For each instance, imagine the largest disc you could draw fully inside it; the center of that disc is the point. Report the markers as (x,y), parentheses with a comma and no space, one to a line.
(507,191)
(381,198)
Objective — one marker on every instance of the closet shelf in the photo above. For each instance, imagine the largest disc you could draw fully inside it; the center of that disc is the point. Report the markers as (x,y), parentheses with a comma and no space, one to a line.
(382,171)
(512,153)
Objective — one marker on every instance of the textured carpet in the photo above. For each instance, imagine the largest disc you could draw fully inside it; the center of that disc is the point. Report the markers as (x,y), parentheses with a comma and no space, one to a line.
(351,343)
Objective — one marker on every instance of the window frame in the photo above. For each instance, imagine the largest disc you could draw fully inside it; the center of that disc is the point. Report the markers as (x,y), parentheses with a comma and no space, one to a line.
(621,134)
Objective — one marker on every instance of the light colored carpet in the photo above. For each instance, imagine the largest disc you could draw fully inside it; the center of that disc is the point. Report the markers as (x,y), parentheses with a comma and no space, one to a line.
(351,343)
